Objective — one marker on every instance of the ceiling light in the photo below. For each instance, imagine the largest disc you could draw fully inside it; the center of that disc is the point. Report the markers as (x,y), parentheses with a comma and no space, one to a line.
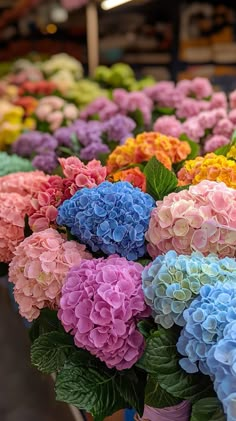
(59,14)
(51,28)
(109,4)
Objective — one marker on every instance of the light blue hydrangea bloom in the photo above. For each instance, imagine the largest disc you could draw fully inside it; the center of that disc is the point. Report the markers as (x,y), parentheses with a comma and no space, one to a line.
(221,362)
(12,163)
(172,281)
(112,218)
(206,319)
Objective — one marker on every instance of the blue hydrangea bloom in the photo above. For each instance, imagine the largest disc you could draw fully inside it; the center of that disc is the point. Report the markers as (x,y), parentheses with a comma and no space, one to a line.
(112,218)
(172,281)
(221,361)
(206,319)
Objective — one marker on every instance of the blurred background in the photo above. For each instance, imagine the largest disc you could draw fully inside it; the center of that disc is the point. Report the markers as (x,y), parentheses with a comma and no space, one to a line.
(167,39)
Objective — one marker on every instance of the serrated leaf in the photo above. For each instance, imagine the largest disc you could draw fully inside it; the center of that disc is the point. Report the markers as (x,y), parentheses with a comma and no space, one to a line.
(209,409)
(50,351)
(180,188)
(146,326)
(89,386)
(157,397)
(160,181)
(161,360)
(131,385)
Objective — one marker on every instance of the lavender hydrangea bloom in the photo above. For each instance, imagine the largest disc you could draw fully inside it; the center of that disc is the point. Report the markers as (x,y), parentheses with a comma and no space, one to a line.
(34,142)
(206,319)
(45,162)
(119,128)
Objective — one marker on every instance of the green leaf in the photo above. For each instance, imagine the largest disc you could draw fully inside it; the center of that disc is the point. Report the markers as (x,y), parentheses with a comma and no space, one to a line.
(209,409)
(90,386)
(146,326)
(160,181)
(157,397)
(75,143)
(50,351)
(144,262)
(103,157)
(195,151)
(180,188)
(161,360)
(131,385)
(46,322)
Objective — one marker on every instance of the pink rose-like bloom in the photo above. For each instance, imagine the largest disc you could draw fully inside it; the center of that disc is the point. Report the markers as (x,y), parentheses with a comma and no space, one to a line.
(42,111)
(54,102)
(224,127)
(89,175)
(39,268)
(201,87)
(23,183)
(55,120)
(202,218)
(215,142)
(168,125)
(102,301)
(13,208)
(232,99)
(70,112)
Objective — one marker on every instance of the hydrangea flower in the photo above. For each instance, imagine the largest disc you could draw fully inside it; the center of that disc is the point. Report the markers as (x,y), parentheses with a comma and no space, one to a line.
(221,362)
(112,218)
(23,183)
(12,163)
(102,301)
(199,219)
(171,282)
(38,270)
(206,318)
(13,208)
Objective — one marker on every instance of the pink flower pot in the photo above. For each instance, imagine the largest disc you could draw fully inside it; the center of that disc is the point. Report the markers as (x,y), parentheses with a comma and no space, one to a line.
(179,412)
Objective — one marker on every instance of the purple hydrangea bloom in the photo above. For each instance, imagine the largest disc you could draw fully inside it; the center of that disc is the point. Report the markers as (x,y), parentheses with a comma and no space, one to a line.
(34,142)
(102,301)
(45,162)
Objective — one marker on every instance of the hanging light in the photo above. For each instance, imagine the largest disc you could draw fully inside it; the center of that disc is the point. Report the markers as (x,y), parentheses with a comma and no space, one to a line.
(59,14)
(110,4)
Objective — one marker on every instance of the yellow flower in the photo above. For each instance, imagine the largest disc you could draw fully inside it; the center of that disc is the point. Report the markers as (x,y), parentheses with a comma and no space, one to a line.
(210,167)
(232,152)
(29,123)
(8,134)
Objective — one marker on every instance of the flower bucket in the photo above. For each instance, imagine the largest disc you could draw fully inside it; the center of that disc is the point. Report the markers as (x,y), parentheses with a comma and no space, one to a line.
(179,412)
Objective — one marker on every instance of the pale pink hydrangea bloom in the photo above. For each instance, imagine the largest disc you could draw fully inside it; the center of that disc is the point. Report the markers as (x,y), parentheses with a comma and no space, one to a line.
(218,100)
(89,175)
(13,208)
(168,125)
(39,268)
(102,301)
(23,183)
(129,102)
(232,117)
(201,87)
(193,129)
(189,107)
(215,142)
(202,218)
(224,127)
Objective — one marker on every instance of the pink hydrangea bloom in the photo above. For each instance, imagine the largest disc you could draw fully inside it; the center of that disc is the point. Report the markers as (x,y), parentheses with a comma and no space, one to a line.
(184,86)
(218,100)
(163,94)
(102,301)
(89,175)
(201,87)
(129,102)
(189,107)
(215,142)
(23,183)
(53,193)
(193,129)
(39,268)
(202,218)
(232,99)
(13,208)
(168,125)
(103,107)
(224,127)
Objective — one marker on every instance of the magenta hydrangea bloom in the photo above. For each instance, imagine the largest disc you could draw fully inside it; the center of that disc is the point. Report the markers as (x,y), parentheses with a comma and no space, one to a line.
(102,301)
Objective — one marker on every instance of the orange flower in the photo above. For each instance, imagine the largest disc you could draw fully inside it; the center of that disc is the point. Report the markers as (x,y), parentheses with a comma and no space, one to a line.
(210,167)
(132,175)
(29,104)
(166,149)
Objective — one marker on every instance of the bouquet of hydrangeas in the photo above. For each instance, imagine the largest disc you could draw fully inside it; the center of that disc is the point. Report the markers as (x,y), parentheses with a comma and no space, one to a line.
(131,291)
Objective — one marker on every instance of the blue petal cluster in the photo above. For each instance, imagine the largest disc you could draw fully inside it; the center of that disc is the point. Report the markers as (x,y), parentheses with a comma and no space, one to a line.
(172,281)
(112,218)
(221,361)
(206,319)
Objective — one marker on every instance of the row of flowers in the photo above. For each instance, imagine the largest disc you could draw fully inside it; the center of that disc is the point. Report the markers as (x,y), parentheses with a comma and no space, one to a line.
(121,244)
